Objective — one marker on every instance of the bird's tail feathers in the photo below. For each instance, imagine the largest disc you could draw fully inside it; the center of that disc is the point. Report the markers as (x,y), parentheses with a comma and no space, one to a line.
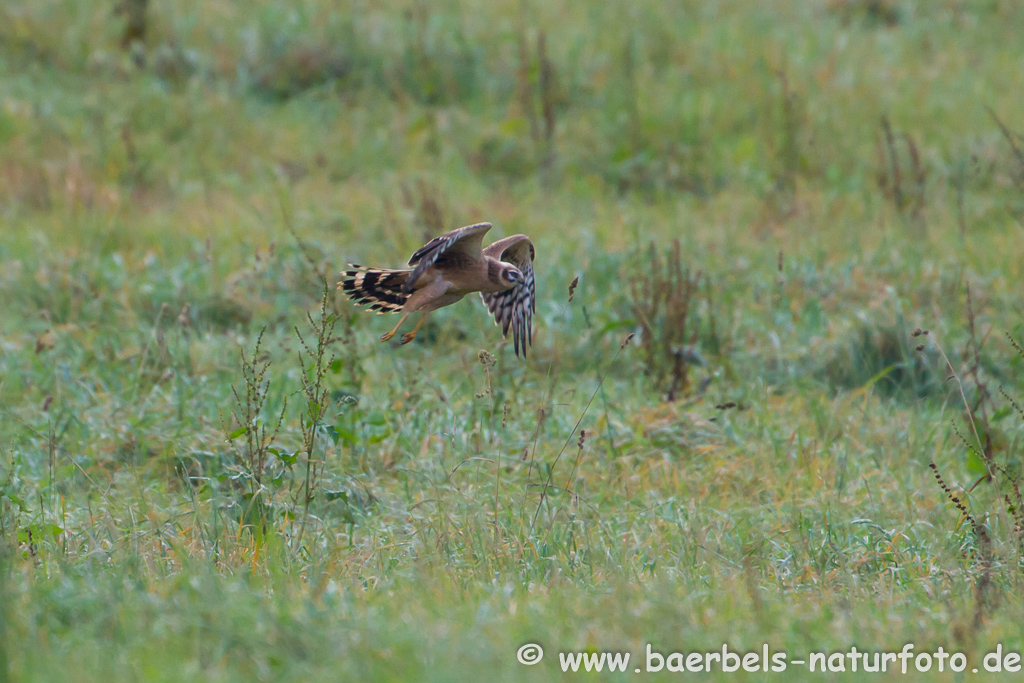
(379,288)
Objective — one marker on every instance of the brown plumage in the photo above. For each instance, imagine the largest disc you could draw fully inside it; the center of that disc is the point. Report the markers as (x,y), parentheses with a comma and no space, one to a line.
(448,268)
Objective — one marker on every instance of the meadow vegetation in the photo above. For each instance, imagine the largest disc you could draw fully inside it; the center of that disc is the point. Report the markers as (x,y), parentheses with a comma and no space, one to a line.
(210,469)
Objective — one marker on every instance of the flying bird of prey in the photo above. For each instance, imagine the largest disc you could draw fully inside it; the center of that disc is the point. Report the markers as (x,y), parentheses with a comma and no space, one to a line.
(448,268)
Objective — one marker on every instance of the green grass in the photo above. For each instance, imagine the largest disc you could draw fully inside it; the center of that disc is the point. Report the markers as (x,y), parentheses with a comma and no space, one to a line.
(161,204)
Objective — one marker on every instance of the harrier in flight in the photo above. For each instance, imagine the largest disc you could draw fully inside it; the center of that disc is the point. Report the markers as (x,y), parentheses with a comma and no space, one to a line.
(448,268)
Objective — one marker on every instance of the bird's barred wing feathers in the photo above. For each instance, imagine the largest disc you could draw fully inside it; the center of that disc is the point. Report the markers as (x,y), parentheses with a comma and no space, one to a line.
(378,288)
(463,244)
(514,308)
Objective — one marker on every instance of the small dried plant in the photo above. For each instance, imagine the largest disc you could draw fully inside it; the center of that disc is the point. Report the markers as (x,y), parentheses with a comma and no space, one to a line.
(314,363)
(1000,476)
(983,545)
(662,298)
(901,180)
(792,121)
(488,362)
(548,90)
(542,124)
(253,427)
(1015,141)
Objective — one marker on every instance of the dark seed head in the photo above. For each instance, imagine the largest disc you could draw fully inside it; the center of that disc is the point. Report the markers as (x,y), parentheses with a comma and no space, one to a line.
(572,287)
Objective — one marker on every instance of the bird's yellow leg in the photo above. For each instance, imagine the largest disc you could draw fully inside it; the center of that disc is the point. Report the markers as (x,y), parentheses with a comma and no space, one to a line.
(388,335)
(409,336)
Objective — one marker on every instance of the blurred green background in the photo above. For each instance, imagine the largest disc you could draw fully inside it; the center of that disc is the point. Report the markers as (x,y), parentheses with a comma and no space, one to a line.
(770,196)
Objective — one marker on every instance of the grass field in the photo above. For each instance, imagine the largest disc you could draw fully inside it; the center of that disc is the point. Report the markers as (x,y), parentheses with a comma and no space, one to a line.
(191,491)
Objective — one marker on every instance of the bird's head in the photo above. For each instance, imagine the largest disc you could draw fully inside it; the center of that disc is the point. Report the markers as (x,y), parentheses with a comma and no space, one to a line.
(511,276)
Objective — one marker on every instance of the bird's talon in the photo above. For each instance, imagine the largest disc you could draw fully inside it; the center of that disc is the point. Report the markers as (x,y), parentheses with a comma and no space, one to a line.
(408,337)
(387,336)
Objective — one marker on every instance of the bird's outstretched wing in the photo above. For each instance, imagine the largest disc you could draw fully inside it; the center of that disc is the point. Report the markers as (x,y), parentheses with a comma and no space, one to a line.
(459,247)
(515,307)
